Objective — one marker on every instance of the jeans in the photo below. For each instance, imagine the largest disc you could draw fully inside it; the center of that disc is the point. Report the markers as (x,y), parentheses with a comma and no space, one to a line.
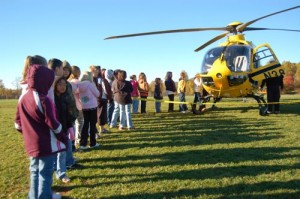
(116,115)
(60,165)
(135,106)
(110,110)
(41,169)
(78,125)
(69,153)
(125,116)
(182,107)
(157,107)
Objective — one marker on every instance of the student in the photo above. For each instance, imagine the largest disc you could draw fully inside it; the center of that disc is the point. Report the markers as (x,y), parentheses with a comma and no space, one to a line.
(66,120)
(143,88)
(170,90)
(89,94)
(274,85)
(181,90)
(105,96)
(109,76)
(74,80)
(134,94)
(116,113)
(58,67)
(158,94)
(197,92)
(121,90)
(43,135)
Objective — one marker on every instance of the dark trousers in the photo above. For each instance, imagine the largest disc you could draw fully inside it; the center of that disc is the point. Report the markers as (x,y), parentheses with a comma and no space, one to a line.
(273,95)
(143,104)
(102,108)
(90,120)
(171,105)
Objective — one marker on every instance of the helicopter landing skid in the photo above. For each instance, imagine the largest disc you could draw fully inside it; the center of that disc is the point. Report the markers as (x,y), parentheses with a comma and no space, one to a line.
(262,105)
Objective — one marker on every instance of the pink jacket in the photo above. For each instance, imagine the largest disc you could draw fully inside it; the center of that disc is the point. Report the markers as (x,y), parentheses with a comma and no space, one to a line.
(88,94)
(135,92)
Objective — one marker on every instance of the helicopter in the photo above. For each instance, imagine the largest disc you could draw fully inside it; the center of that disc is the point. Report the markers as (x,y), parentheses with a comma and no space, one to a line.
(234,68)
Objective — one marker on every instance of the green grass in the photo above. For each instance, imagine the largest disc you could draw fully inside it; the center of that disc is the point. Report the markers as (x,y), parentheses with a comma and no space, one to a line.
(230,152)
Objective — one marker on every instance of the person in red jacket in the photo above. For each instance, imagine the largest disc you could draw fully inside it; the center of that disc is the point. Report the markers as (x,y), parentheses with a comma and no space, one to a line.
(42,133)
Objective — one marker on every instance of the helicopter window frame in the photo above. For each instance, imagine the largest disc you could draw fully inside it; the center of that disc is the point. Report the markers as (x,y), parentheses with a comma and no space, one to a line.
(233,53)
(210,57)
(262,57)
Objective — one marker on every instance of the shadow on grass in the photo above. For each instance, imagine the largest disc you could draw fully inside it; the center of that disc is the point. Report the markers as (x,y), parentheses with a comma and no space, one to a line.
(197,136)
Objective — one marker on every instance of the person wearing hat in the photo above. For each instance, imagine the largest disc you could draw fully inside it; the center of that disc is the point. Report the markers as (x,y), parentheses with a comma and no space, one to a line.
(197,91)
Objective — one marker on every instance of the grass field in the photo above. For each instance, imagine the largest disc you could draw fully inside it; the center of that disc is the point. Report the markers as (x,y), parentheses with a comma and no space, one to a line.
(230,152)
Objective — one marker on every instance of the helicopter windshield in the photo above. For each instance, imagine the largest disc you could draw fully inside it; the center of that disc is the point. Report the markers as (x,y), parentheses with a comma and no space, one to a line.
(238,58)
(210,57)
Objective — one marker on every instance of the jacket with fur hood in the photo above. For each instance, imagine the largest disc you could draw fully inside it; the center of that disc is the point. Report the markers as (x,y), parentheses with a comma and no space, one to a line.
(36,118)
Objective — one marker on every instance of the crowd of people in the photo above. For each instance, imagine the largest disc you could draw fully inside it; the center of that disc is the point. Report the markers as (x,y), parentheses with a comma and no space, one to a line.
(60,107)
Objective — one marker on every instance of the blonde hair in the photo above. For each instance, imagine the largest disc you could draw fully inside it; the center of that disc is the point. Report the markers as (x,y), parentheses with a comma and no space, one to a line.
(75,73)
(143,76)
(87,76)
(31,60)
(183,75)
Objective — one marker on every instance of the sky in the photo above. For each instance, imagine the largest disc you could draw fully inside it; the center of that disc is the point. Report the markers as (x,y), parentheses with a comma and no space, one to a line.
(74,30)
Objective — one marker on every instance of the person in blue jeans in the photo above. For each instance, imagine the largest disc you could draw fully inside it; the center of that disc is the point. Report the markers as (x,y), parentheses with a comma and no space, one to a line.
(122,92)
(42,133)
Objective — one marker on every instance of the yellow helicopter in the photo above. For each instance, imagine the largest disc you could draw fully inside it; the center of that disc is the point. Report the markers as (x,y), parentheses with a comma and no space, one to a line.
(234,68)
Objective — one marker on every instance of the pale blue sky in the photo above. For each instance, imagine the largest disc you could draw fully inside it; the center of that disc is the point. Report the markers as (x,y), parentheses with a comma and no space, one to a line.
(74,30)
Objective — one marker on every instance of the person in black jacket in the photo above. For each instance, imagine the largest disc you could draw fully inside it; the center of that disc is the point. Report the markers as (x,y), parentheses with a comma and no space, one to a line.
(170,90)
(274,85)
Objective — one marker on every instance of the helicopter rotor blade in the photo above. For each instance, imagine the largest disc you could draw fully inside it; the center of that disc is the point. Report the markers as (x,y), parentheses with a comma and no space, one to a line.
(211,41)
(164,32)
(251,28)
(242,27)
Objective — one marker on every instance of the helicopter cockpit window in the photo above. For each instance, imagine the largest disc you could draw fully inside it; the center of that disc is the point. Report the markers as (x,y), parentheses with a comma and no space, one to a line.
(210,57)
(238,58)
(262,57)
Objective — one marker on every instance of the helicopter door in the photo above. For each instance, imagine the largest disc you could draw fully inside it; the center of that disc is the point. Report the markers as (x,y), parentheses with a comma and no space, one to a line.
(265,64)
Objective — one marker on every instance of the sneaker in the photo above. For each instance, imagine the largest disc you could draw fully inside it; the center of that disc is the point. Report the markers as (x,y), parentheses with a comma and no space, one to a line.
(95,146)
(105,131)
(277,112)
(66,179)
(82,147)
(56,195)
(121,128)
(269,112)
(130,128)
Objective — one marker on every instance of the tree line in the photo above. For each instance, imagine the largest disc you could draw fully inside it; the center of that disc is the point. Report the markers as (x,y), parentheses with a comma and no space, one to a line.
(291,83)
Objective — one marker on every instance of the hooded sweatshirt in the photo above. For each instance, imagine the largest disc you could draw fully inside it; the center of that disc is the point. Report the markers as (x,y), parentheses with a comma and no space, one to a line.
(35,117)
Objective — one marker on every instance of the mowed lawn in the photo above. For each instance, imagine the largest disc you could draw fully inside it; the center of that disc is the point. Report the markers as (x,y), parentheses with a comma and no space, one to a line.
(229,152)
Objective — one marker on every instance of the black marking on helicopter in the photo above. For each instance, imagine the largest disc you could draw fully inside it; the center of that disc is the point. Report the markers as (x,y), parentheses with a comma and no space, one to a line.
(266,70)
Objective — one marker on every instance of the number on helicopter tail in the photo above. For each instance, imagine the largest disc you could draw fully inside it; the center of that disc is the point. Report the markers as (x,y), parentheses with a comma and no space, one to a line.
(274,73)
